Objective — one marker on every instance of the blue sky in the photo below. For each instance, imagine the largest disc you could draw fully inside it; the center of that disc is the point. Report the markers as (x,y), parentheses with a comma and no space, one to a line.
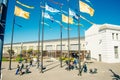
(106,11)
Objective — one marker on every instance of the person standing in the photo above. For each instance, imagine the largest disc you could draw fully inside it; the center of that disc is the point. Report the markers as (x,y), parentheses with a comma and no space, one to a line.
(85,67)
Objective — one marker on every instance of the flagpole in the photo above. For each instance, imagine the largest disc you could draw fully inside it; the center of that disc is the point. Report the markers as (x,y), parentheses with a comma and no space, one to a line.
(43,11)
(68,37)
(38,47)
(38,43)
(42,42)
(61,37)
(21,48)
(79,48)
(11,45)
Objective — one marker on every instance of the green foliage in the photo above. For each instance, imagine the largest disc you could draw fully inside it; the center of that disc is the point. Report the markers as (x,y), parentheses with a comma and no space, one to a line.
(30,51)
(66,59)
(4,59)
(24,51)
(36,51)
(19,59)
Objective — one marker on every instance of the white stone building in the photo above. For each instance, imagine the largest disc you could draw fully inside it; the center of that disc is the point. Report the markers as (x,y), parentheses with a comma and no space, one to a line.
(104,42)
(49,45)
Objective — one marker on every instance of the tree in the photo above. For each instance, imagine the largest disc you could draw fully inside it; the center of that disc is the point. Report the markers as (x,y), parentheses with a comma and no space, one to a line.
(29,52)
(9,51)
(36,52)
(24,53)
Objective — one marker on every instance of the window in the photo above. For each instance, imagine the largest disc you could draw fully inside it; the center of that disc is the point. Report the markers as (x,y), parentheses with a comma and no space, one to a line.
(30,47)
(74,46)
(83,45)
(113,36)
(117,36)
(24,47)
(49,47)
(59,47)
(116,51)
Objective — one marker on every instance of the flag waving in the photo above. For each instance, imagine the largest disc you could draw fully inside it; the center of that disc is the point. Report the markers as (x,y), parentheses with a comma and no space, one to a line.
(21,13)
(86,8)
(65,19)
(31,7)
(50,9)
(46,15)
(73,14)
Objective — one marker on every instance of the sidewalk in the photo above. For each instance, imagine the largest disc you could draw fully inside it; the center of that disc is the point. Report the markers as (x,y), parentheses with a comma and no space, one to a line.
(54,72)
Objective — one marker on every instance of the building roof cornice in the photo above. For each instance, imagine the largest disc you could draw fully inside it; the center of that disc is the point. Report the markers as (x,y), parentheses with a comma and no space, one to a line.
(110,27)
(51,40)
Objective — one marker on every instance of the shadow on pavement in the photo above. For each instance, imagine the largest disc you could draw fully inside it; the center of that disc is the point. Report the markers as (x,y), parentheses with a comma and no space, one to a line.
(115,76)
(51,67)
(51,63)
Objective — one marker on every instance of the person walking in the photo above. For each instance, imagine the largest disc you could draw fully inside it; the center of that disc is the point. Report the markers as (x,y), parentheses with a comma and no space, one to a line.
(18,69)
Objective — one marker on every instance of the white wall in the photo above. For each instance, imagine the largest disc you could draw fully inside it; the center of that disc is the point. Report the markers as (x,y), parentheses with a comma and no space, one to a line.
(108,53)
(92,39)
(101,42)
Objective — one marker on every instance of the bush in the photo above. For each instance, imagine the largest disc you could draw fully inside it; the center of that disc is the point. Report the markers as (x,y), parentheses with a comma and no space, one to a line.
(4,59)
(19,59)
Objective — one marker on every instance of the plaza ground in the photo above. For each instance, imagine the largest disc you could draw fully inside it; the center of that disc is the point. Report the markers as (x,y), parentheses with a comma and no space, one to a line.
(54,72)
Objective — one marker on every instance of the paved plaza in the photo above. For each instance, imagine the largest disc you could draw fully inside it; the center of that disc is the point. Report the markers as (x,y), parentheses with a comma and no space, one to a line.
(54,72)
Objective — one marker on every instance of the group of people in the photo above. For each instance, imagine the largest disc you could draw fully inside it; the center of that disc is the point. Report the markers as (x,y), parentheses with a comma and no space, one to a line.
(72,64)
(21,66)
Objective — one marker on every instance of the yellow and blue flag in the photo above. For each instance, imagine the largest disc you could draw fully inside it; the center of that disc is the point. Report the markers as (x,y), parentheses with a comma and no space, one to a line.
(21,13)
(86,8)
(65,19)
